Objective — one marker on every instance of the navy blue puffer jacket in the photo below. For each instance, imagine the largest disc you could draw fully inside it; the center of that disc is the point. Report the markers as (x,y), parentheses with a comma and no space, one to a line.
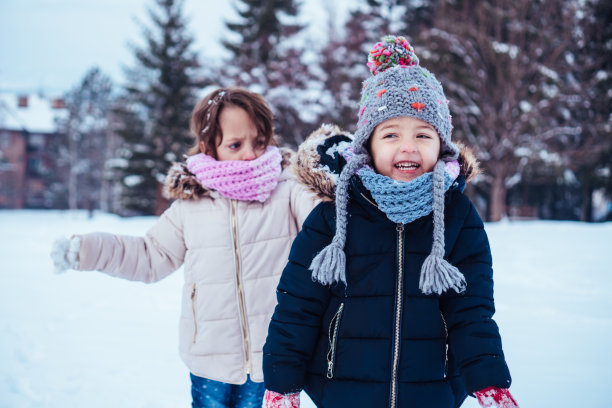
(378,341)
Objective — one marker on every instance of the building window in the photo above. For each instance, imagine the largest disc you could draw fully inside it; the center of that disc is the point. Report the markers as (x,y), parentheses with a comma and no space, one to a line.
(37,167)
(5,140)
(36,142)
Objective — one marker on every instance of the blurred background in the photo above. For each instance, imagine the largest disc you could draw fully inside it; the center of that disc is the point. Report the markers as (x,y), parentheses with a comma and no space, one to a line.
(95,97)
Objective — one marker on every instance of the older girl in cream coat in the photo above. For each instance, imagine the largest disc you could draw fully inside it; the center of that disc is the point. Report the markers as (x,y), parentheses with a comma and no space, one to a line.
(237,209)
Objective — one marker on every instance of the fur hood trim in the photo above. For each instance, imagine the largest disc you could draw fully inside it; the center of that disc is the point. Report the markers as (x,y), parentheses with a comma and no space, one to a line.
(182,184)
(319,161)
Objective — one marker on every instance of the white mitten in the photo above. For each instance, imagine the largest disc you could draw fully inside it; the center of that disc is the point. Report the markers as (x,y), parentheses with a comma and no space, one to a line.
(65,254)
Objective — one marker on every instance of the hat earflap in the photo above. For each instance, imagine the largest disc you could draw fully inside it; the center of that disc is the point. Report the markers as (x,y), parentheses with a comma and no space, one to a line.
(437,274)
(329,265)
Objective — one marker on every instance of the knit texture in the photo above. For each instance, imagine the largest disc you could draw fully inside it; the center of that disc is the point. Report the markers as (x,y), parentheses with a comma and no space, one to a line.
(399,87)
(437,275)
(329,265)
(493,397)
(275,400)
(402,201)
(245,180)
(65,253)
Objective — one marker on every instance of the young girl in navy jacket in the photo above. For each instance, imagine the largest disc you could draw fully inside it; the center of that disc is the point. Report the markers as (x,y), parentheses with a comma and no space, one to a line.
(387,299)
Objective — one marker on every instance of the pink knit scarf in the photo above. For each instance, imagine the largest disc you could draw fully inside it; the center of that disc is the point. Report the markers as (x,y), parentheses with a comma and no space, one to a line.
(245,180)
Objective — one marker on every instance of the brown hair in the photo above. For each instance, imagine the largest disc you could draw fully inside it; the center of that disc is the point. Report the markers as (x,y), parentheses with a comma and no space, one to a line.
(205,117)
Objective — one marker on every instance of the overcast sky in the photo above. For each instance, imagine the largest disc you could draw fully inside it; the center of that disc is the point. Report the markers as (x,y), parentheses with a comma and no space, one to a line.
(48,45)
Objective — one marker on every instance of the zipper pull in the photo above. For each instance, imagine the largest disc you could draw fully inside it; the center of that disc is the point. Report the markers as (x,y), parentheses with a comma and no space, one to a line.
(193,291)
(400,228)
(330,369)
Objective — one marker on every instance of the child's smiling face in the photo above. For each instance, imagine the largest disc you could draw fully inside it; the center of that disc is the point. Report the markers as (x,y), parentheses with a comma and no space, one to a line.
(404,148)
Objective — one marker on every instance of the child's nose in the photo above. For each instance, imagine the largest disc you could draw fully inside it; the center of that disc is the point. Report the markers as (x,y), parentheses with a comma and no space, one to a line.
(408,145)
(249,154)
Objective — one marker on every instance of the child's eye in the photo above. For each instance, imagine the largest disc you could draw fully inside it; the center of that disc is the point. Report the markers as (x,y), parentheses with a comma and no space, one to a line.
(423,136)
(260,143)
(389,136)
(234,146)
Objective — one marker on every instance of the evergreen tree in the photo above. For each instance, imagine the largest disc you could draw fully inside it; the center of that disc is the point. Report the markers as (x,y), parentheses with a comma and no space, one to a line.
(269,59)
(155,108)
(87,131)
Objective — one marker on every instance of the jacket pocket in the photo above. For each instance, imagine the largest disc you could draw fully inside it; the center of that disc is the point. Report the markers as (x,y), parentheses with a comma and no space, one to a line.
(334,325)
(193,309)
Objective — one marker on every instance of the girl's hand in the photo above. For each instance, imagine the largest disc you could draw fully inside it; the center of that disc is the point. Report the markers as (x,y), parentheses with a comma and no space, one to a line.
(493,397)
(65,253)
(275,400)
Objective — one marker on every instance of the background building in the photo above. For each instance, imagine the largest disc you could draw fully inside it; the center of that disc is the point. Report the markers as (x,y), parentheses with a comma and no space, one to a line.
(30,172)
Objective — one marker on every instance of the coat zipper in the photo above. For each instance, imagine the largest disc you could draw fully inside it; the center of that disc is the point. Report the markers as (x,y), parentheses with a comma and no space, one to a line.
(445,346)
(245,330)
(195,316)
(333,339)
(369,201)
(398,314)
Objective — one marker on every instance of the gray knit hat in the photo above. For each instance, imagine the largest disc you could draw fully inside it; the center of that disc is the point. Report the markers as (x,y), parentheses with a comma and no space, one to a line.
(399,87)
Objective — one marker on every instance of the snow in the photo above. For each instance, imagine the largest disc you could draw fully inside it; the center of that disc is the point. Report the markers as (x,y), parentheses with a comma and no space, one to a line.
(37,117)
(85,339)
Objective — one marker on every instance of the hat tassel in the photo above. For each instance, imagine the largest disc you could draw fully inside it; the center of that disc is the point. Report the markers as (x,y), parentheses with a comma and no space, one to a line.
(329,265)
(437,274)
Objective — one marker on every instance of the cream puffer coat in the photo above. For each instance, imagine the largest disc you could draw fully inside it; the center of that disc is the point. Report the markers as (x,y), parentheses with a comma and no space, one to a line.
(233,253)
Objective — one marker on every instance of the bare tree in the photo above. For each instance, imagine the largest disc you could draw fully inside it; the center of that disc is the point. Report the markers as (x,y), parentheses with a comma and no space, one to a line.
(343,59)
(503,64)
(87,130)
(588,102)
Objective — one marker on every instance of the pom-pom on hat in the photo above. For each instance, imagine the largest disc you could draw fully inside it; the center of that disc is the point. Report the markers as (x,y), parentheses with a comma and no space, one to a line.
(399,87)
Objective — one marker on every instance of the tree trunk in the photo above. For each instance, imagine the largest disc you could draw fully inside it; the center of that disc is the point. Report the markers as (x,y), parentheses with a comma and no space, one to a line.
(586,209)
(72,173)
(497,199)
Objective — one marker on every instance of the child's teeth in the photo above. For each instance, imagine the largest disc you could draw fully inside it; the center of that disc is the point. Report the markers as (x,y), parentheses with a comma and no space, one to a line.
(407,165)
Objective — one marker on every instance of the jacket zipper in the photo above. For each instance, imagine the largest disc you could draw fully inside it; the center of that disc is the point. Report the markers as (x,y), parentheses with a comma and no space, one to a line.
(445,346)
(195,317)
(333,339)
(398,314)
(369,201)
(245,330)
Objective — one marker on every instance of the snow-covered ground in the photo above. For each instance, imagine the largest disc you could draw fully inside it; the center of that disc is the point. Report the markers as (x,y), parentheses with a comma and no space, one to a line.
(83,339)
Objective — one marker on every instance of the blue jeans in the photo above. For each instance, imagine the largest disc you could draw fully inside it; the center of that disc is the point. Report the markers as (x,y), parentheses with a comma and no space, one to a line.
(214,394)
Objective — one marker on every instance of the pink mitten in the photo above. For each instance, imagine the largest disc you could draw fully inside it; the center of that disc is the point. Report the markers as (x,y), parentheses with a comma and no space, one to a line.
(493,397)
(275,400)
